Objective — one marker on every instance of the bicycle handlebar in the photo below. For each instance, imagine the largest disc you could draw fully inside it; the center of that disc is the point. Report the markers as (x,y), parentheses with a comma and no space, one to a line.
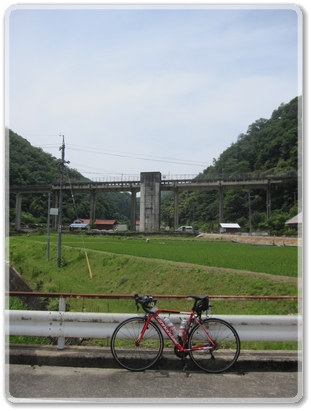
(145,302)
(201,303)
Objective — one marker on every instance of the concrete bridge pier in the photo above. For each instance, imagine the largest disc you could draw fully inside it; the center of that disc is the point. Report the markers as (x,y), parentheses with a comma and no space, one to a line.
(18,210)
(93,206)
(150,201)
(134,191)
(176,222)
(221,204)
(268,200)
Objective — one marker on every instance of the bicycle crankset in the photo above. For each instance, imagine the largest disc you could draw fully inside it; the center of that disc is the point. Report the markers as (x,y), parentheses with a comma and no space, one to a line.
(179,354)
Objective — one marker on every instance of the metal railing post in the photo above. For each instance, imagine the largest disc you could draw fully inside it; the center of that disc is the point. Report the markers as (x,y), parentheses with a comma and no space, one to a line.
(61,308)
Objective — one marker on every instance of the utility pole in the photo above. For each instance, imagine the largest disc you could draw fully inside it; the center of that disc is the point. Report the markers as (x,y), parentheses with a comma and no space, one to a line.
(60,211)
(48,229)
(250,212)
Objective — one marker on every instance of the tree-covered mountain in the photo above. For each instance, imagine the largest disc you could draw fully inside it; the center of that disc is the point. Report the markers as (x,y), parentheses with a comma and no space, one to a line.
(270,146)
(30,165)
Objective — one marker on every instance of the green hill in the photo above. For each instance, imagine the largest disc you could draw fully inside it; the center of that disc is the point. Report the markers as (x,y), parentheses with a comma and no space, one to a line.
(270,146)
(30,165)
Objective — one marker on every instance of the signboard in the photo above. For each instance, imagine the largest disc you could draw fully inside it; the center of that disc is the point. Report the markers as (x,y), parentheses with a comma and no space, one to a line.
(53,211)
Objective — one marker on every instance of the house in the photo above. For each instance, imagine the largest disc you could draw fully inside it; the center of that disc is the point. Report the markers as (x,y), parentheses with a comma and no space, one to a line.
(105,224)
(295,222)
(229,228)
(80,224)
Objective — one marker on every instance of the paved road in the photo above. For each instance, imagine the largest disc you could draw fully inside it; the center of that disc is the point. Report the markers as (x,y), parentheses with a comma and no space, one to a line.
(44,373)
(118,385)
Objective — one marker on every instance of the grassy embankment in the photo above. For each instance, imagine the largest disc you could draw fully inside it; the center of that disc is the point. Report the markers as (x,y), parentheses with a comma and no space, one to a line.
(162,266)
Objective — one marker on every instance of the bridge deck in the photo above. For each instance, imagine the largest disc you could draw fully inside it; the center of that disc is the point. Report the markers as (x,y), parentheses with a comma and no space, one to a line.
(212,183)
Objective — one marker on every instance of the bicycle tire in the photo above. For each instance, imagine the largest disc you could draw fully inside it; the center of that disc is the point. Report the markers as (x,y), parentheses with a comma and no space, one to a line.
(136,357)
(227,349)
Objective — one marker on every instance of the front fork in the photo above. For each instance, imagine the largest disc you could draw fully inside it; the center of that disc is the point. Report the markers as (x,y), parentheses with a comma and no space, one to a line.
(142,333)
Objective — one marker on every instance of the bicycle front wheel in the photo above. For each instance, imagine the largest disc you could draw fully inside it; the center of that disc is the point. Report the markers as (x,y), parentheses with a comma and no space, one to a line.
(225,352)
(131,355)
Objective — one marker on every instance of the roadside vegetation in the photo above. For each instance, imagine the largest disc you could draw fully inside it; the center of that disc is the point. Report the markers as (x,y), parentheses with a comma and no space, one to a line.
(163,267)
(121,266)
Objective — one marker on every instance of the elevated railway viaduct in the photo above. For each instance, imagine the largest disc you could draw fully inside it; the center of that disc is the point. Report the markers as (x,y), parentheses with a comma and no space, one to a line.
(150,186)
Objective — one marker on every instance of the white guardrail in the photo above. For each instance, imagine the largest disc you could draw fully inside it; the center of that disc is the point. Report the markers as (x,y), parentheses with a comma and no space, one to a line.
(64,324)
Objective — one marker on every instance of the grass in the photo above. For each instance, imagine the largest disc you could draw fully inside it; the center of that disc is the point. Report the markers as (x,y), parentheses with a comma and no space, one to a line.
(121,266)
(271,260)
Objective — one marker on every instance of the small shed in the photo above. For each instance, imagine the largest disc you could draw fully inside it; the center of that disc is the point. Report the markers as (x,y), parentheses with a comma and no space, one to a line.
(105,224)
(229,228)
(294,222)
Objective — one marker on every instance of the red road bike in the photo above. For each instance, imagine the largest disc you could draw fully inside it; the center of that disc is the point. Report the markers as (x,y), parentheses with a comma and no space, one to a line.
(211,343)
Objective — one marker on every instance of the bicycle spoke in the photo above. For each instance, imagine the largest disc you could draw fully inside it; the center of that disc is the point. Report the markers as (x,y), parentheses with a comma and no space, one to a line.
(215,345)
(132,355)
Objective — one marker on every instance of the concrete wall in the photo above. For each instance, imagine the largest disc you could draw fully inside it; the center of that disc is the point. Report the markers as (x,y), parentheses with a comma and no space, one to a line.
(16,283)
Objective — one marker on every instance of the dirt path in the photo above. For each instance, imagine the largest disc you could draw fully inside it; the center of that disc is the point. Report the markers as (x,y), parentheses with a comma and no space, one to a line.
(279,241)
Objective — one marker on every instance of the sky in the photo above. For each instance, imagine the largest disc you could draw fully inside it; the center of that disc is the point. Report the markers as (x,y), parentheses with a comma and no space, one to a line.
(135,89)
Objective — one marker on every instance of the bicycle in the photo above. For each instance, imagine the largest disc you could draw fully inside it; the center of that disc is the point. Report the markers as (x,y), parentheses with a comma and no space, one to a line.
(211,343)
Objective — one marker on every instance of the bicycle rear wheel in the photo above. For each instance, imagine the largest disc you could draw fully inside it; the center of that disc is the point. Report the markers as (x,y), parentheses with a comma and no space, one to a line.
(226,352)
(127,353)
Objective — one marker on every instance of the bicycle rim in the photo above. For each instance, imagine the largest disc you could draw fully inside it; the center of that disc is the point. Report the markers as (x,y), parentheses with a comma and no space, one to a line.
(136,357)
(227,349)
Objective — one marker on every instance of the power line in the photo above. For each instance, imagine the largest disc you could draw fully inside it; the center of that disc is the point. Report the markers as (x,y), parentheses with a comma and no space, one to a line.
(99,171)
(122,153)
(137,156)
(144,157)
(42,135)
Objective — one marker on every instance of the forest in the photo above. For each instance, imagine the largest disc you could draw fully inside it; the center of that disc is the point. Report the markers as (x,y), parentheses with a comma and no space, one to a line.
(269,146)
(40,168)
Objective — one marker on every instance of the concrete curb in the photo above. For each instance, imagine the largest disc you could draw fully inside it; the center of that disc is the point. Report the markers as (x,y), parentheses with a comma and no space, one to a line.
(98,357)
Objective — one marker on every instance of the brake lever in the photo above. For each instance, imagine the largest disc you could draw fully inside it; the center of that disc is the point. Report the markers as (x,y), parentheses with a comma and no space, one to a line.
(136,296)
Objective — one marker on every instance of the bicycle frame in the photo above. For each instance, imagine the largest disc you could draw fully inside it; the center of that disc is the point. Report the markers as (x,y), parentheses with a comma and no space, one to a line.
(181,347)
(212,344)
